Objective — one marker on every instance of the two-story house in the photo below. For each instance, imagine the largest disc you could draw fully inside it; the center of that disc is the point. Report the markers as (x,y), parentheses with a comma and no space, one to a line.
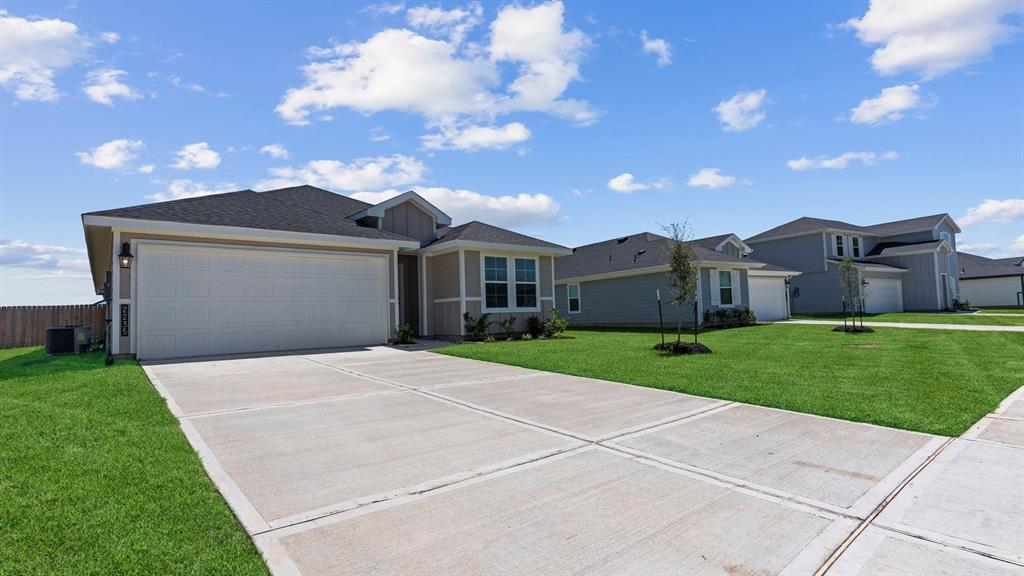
(904,265)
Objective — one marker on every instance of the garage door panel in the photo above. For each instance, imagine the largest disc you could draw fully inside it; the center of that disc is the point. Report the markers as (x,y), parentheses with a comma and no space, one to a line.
(204,301)
(883,295)
(768,297)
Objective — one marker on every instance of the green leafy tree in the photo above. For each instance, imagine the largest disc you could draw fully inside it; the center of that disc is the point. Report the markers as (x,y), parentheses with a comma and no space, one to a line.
(683,273)
(852,289)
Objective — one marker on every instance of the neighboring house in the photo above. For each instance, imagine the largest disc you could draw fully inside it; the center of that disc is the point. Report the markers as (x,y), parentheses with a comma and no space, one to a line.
(615,282)
(992,282)
(904,265)
(302,267)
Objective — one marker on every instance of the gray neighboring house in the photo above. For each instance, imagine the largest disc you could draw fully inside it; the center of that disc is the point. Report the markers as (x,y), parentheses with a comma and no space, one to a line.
(301,268)
(991,281)
(904,265)
(614,283)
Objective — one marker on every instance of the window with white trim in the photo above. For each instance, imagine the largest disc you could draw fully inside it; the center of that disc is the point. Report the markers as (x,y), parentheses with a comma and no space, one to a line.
(496,282)
(855,244)
(725,287)
(839,248)
(526,283)
(574,298)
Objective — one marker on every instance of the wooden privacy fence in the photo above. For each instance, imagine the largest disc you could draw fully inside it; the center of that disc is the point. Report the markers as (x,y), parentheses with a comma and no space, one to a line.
(26,325)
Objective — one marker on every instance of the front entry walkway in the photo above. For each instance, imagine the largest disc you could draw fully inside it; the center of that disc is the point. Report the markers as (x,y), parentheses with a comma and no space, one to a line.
(975,327)
(394,462)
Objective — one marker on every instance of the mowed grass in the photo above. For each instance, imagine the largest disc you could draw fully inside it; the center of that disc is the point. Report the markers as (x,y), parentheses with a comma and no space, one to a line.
(933,381)
(985,310)
(97,478)
(928,318)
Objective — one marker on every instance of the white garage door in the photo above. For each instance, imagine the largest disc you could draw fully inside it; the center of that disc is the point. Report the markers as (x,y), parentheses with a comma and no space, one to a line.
(768,297)
(198,301)
(884,295)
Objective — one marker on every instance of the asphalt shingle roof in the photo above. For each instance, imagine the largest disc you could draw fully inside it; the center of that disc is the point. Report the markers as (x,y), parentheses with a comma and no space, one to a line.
(806,225)
(637,251)
(479,232)
(897,248)
(248,209)
(320,200)
(974,266)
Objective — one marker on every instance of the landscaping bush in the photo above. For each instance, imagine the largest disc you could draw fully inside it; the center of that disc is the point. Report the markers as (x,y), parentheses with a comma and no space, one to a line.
(476,328)
(729,317)
(534,327)
(508,325)
(556,326)
(403,334)
(682,348)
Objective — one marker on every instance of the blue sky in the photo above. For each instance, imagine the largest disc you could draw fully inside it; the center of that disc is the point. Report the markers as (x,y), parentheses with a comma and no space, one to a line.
(574,122)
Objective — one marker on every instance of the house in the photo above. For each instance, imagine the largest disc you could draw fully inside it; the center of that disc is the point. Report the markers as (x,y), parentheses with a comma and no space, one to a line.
(904,265)
(301,268)
(991,282)
(615,283)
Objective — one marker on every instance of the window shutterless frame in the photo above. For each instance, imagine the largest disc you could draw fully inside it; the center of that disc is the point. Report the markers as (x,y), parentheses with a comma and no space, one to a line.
(573,298)
(855,244)
(725,288)
(838,247)
(509,280)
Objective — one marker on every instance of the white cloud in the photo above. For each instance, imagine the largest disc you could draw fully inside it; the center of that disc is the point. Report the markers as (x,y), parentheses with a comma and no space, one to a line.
(933,38)
(359,175)
(382,8)
(1016,247)
(62,259)
(626,183)
(1009,210)
(184,188)
(454,24)
(275,151)
(379,135)
(466,205)
(110,37)
(743,111)
(444,81)
(710,178)
(658,47)
(105,84)
(32,51)
(840,162)
(177,82)
(198,155)
(477,137)
(890,105)
(113,155)
(146,169)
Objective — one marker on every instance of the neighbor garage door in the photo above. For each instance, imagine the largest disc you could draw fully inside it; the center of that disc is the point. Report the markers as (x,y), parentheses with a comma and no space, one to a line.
(883,295)
(768,297)
(199,301)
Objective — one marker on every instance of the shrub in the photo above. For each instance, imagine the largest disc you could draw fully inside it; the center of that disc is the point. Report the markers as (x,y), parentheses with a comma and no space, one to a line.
(403,334)
(556,326)
(729,317)
(964,304)
(526,337)
(508,325)
(476,328)
(534,327)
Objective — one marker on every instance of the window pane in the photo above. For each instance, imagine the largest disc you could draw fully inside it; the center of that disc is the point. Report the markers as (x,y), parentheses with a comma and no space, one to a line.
(574,304)
(495,269)
(526,270)
(526,295)
(726,296)
(839,245)
(574,290)
(497,295)
(725,279)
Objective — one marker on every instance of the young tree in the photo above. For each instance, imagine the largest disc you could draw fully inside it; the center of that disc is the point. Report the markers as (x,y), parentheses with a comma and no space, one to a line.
(683,273)
(851,289)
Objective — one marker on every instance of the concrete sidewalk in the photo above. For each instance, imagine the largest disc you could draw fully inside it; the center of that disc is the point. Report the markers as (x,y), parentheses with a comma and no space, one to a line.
(971,327)
(396,462)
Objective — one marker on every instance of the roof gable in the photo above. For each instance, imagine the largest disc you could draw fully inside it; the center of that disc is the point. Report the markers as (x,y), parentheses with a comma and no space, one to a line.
(380,209)
(479,233)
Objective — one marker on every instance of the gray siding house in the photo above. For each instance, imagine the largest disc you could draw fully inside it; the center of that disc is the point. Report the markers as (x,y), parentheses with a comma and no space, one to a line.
(615,283)
(991,281)
(904,265)
(301,268)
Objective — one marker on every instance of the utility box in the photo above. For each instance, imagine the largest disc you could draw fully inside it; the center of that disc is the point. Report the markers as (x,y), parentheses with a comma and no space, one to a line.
(68,339)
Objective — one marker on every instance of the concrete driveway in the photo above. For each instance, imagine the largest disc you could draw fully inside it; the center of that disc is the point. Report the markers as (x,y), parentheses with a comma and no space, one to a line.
(383,461)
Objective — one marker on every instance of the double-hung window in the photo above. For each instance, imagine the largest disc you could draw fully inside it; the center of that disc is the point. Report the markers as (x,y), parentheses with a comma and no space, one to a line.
(526,283)
(496,281)
(510,283)
(840,249)
(574,298)
(725,287)
(855,243)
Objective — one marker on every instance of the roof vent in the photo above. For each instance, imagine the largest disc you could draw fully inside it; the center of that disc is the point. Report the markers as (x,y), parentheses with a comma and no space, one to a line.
(573,250)
(637,255)
(621,240)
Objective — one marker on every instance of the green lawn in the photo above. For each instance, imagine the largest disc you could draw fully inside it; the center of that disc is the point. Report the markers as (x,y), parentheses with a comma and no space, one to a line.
(1002,310)
(927,318)
(926,380)
(98,478)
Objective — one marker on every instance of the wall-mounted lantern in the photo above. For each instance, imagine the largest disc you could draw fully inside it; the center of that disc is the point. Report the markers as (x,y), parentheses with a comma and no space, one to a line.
(125,257)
